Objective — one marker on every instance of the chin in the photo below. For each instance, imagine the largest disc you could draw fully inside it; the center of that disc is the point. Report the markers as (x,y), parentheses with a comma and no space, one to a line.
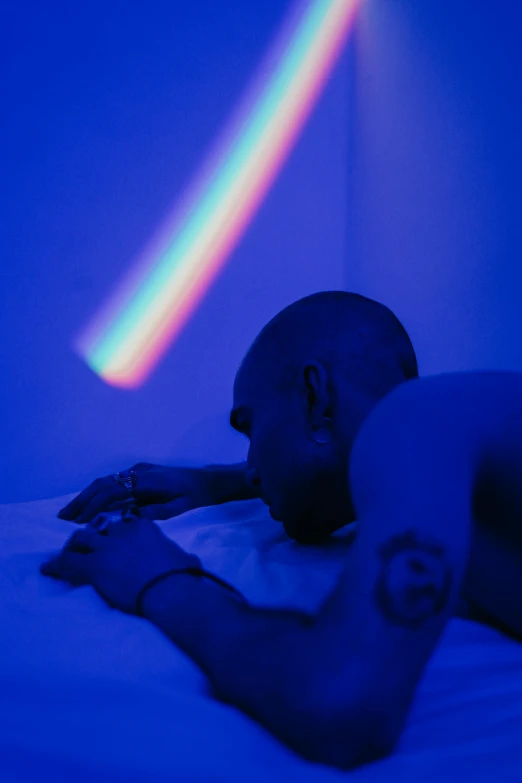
(274,515)
(304,534)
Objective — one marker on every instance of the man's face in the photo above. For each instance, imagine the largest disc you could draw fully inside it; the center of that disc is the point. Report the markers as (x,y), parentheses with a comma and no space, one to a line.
(304,483)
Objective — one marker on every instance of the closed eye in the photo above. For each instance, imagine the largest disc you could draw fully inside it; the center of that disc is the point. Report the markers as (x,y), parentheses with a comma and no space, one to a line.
(240,419)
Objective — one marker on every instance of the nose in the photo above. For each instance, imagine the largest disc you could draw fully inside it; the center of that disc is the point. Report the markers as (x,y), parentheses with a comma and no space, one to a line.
(252,478)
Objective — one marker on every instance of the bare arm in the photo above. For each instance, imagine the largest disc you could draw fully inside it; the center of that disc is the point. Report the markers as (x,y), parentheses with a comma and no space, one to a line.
(163,491)
(275,666)
(255,659)
(337,688)
(229,482)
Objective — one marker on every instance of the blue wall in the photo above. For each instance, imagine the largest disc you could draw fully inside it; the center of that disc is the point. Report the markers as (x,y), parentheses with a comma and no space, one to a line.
(405,186)
(436,175)
(109,108)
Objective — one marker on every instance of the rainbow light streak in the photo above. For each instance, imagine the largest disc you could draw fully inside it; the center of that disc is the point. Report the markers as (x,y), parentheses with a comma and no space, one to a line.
(133,330)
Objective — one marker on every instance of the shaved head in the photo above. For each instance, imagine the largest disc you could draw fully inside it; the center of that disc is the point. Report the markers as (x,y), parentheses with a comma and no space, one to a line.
(355,337)
(308,381)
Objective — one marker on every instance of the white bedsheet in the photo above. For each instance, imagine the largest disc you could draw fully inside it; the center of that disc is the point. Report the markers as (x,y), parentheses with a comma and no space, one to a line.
(90,694)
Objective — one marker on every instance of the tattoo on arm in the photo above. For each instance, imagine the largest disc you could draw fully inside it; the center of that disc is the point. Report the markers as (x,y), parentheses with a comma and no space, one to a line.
(414,580)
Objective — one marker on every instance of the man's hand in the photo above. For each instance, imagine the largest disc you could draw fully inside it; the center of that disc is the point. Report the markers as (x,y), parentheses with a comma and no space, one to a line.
(161,491)
(119,560)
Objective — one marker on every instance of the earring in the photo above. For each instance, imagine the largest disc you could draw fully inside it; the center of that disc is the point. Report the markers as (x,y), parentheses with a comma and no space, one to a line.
(323,434)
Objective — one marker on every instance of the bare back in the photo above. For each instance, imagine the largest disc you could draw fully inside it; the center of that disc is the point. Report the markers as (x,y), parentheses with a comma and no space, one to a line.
(486,409)
(493,580)
(435,476)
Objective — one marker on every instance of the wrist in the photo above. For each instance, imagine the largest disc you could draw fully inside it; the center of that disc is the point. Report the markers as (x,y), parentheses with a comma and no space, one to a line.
(193,582)
(191,612)
(228,483)
(161,596)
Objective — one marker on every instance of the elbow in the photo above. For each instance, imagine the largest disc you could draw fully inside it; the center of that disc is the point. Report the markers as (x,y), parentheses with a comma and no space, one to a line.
(347,754)
(344,741)
(345,749)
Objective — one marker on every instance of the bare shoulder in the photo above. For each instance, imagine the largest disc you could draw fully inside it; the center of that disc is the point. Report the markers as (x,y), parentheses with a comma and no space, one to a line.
(453,402)
(441,423)
(465,395)
(411,472)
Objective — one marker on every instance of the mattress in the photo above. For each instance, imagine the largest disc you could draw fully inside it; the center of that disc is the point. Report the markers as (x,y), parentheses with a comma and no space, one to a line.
(88,693)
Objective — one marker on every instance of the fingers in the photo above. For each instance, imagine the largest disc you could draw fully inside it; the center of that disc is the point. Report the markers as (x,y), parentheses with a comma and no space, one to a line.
(73,567)
(105,494)
(74,562)
(77,504)
(102,500)
(84,541)
(110,525)
(166,510)
(122,505)
(80,509)
(97,497)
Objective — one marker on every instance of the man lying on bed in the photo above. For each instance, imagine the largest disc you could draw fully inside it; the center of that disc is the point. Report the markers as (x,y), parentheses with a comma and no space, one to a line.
(435,482)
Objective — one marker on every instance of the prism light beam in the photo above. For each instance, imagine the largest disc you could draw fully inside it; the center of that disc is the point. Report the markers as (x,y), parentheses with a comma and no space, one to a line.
(131,333)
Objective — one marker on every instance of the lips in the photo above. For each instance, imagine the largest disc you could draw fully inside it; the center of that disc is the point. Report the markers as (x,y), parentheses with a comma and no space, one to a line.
(273,514)
(304,535)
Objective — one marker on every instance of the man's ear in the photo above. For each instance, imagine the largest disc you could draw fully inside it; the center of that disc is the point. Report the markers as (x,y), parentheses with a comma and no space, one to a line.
(318,402)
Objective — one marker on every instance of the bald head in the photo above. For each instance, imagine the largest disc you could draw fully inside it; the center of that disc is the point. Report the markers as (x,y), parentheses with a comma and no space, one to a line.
(356,338)
(310,378)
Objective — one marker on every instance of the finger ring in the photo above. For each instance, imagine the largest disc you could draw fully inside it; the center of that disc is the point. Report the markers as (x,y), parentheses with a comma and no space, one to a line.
(104,520)
(128,480)
(101,522)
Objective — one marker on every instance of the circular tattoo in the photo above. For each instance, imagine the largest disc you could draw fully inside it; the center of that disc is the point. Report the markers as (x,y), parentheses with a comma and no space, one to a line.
(414,580)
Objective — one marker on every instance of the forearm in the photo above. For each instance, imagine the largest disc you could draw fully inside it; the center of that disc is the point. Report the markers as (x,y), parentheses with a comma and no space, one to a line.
(229,482)
(258,660)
